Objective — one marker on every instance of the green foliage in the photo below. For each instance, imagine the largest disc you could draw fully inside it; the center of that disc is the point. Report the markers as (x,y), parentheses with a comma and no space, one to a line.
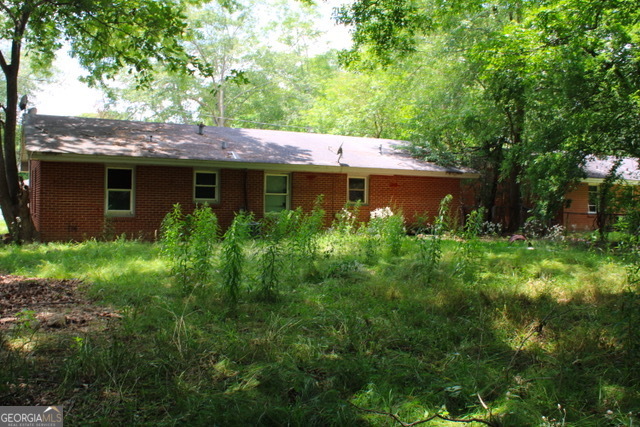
(233,256)
(104,36)
(175,247)
(522,91)
(346,221)
(386,230)
(202,242)
(189,242)
(308,231)
(529,331)
(469,251)
(430,246)
(289,238)
(239,78)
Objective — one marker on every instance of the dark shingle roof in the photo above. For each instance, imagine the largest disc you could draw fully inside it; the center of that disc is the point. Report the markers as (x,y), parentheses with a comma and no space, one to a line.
(152,141)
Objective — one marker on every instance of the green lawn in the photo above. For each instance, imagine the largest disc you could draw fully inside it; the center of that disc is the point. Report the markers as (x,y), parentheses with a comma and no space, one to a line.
(493,331)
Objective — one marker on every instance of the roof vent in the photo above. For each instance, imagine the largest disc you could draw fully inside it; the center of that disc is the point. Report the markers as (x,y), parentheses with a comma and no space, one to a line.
(200,130)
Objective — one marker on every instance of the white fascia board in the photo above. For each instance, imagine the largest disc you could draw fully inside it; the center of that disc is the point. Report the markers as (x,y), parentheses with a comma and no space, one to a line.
(598,181)
(125,160)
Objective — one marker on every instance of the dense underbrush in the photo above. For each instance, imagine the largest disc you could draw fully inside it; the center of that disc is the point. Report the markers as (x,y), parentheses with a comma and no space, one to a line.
(352,326)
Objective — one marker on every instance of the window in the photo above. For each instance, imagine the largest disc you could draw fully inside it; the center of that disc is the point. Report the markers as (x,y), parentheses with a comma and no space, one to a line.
(119,194)
(593,199)
(205,186)
(276,193)
(357,190)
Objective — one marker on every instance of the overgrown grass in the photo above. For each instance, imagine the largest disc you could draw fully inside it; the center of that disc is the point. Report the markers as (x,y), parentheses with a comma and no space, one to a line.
(517,337)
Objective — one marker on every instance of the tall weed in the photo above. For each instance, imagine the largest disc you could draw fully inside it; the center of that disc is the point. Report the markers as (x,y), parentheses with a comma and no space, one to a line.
(175,245)
(346,221)
(309,229)
(202,243)
(468,251)
(430,246)
(276,231)
(233,256)
(386,229)
(188,241)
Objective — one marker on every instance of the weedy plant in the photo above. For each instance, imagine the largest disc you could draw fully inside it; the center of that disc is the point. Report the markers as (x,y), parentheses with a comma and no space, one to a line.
(175,248)
(536,328)
(188,241)
(233,256)
(468,250)
(386,230)
(308,231)
(346,221)
(276,229)
(202,243)
(290,239)
(430,246)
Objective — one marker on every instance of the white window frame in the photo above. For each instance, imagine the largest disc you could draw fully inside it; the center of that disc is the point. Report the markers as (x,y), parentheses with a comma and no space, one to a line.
(120,212)
(216,187)
(592,209)
(366,189)
(287,194)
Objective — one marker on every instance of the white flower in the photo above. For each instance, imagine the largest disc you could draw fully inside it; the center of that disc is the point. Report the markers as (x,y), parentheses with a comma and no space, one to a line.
(381,213)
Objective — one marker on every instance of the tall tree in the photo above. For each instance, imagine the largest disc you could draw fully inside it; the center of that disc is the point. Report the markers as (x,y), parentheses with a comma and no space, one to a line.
(252,65)
(105,36)
(375,104)
(558,76)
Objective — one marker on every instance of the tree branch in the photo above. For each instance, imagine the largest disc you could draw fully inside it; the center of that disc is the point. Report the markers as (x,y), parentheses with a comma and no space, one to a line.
(3,63)
(426,420)
(8,11)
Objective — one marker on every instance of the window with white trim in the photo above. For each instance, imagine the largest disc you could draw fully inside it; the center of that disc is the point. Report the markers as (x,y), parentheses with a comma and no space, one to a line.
(593,199)
(276,192)
(119,191)
(357,190)
(205,186)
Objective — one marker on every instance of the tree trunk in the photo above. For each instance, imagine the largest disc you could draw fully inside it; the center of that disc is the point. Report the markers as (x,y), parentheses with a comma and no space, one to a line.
(515,118)
(515,201)
(220,119)
(14,196)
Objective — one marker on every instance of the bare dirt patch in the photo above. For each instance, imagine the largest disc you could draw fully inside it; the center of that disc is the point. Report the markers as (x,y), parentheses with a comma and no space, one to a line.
(54,304)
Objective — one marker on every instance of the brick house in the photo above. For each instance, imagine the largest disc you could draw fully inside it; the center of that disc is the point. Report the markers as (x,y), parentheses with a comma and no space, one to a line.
(580,212)
(92,177)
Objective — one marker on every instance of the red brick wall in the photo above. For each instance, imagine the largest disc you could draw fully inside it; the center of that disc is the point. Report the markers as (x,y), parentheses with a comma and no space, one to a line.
(306,187)
(68,198)
(416,196)
(575,217)
(35,192)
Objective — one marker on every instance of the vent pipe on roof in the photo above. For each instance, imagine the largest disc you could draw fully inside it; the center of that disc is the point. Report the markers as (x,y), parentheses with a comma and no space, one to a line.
(224,145)
(201,127)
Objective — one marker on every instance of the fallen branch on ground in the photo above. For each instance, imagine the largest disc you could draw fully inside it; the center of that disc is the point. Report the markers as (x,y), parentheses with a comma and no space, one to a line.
(426,420)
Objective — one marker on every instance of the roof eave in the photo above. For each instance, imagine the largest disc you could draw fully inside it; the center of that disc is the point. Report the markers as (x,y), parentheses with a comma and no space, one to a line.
(230,164)
(597,181)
